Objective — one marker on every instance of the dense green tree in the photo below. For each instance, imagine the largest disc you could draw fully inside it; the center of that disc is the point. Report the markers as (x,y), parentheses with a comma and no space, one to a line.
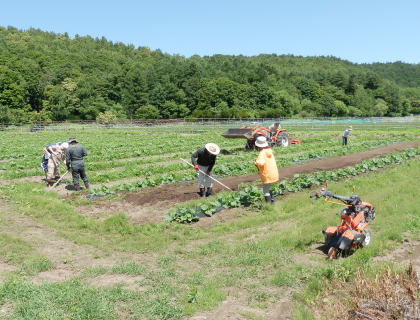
(364,101)
(118,110)
(134,90)
(57,103)
(13,96)
(329,108)
(5,116)
(354,112)
(415,103)
(262,95)
(342,110)
(380,108)
(172,110)
(107,118)
(340,79)
(91,107)
(44,75)
(393,99)
(372,81)
(147,112)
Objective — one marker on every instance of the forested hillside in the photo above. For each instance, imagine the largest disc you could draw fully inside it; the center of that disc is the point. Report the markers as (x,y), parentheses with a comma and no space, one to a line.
(48,76)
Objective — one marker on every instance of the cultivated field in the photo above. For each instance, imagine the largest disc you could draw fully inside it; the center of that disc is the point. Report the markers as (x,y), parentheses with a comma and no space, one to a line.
(142,244)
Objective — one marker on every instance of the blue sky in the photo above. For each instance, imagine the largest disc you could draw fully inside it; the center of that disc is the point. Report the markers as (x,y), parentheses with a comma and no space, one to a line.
(360,31)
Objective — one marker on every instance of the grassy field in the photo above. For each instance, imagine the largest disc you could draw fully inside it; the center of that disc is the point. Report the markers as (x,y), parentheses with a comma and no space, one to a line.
(116,269)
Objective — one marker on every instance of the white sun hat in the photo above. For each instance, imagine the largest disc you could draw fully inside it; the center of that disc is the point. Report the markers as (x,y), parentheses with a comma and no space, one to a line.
(261,142)
(65,145)
(213,148)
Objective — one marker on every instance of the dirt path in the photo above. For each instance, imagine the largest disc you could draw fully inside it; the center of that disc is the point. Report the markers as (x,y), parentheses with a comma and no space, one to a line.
(408,251)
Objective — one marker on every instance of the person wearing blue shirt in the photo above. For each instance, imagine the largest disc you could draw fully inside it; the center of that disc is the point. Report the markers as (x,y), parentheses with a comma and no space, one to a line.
(48,151)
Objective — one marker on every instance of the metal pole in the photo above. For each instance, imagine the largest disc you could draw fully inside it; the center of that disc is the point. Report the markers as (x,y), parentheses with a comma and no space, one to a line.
(59,179)
(207,175)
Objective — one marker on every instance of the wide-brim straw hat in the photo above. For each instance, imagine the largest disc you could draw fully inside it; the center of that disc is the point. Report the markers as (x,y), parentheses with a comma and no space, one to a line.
(261,142)
(350,128)
(213,148)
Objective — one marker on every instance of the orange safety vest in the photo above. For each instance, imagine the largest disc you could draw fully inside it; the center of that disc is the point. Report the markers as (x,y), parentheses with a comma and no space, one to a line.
(267,166)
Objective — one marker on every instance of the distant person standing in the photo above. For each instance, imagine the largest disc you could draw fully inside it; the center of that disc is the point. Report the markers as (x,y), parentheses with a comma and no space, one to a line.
(267,168)
(74,158)
(346,133)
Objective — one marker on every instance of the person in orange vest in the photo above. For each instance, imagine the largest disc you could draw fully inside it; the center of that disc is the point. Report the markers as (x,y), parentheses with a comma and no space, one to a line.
(267,168)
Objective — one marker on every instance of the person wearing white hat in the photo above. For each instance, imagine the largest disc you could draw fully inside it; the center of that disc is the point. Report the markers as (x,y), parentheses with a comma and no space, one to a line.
(203,160)
(47,153)
(346,133)
(267,168)
(58,154)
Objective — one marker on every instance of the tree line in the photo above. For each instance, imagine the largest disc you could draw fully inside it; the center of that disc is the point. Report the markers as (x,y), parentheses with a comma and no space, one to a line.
(50,77)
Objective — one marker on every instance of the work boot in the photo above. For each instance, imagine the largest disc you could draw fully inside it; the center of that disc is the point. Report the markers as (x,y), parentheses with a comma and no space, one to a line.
(209,191)
(87,185)
(272,197)
(49,183)
(267,199)
(77,187)
(202,192)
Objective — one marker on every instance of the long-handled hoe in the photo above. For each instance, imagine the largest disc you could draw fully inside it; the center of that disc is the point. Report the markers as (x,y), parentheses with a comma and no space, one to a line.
(59,180)
(207,175)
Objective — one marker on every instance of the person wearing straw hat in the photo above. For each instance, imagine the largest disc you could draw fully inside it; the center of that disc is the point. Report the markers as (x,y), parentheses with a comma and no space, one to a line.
(346,133)
(58,154)
(74,156)
(203,160)
(267,168)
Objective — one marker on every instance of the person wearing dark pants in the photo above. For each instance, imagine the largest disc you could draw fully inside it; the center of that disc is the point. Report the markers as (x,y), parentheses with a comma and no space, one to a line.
(267,168)
(346,133)
(203,160)
(74,159)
